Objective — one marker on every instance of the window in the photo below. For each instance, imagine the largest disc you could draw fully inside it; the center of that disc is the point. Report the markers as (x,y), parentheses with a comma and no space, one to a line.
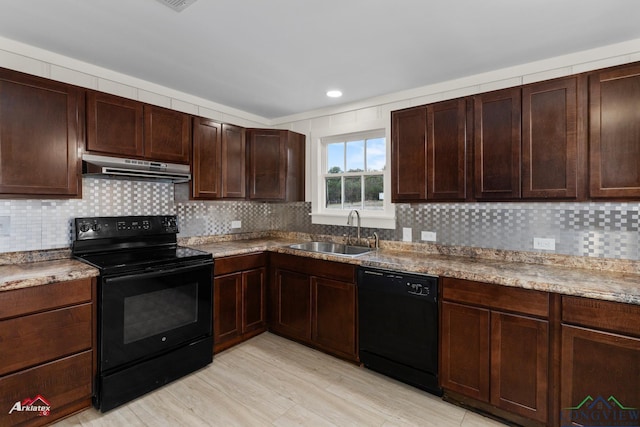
(350,171)
(354,173)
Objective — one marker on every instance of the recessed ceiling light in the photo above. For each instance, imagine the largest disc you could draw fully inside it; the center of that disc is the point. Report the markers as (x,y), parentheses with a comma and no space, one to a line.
(334,94)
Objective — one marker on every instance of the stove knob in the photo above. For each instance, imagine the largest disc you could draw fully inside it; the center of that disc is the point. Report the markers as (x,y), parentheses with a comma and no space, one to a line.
(95,227)
(84,227)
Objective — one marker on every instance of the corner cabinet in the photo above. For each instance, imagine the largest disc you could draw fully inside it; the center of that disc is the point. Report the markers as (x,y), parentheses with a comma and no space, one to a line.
(614,134)
(495,349)
(239,298)
(128,128)
(429,152)
(314,302)
(276,165)
(48,350)
(41,129)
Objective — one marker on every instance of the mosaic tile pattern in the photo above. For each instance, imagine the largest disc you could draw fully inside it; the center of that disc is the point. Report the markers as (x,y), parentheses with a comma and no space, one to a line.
(607,230)
(47,224)
(602,230)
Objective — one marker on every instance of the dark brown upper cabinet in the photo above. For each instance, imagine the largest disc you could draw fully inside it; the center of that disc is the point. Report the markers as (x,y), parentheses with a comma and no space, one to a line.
(553,136)
(41,129)
(497,144)
(447,124)
(276,165)
(205,164)
(233,160)
(429,152)
(114,125)
(128,128)
(614,133)
(409,155)
(218,164)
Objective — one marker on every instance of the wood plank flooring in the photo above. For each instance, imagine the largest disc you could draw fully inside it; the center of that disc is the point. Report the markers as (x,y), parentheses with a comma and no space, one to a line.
(271,381)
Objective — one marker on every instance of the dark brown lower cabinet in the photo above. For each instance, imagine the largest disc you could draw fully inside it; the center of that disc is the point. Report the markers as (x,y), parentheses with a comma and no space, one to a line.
(314,302)
(47,341)
(495,349)
(600,363)
(239,289)
(334,315)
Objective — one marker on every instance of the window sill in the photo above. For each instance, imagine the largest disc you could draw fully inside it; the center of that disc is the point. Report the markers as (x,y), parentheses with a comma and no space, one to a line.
(366,220)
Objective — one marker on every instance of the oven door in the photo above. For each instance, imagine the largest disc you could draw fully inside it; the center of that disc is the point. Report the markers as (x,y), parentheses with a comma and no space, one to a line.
(145,314)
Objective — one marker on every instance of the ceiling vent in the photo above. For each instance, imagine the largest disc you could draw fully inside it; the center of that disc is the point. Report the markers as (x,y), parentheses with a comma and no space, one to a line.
(177,5)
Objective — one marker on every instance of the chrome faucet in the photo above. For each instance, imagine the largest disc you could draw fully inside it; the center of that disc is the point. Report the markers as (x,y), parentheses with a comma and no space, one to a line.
(350,222)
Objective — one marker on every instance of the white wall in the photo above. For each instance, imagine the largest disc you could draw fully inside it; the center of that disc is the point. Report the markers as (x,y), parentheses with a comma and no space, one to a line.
(28,59)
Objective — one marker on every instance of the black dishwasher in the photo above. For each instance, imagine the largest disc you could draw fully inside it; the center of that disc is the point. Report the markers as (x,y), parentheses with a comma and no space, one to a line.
(398,326)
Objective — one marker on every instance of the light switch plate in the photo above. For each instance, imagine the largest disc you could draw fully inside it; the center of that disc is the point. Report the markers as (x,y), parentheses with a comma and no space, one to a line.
(428,236)
(406,234)
(236,224)
(5,223)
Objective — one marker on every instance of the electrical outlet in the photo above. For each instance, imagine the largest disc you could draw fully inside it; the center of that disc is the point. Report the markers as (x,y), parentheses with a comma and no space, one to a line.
(5,222)
(544,244)
(406,234)
(428,236)
(236,224)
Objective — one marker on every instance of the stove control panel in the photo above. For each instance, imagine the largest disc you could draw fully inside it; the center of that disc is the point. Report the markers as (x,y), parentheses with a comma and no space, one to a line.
(124,226)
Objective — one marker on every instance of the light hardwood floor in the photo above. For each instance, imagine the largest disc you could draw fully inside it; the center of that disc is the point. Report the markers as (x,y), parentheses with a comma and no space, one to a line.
(271,381)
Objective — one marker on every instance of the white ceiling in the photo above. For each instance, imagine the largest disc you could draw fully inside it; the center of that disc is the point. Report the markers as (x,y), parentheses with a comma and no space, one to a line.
(275,58)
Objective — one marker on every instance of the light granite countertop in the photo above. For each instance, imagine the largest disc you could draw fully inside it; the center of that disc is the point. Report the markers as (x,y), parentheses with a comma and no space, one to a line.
(606,280)
(28,274)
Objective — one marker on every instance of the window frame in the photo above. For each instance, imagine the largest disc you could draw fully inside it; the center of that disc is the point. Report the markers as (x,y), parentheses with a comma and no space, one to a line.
(382,218)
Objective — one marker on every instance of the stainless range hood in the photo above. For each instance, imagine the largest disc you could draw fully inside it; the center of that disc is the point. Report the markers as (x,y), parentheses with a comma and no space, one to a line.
(115,167)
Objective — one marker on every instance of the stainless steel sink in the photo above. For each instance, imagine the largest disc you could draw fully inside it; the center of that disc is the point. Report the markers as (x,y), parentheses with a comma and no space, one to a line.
(331,248)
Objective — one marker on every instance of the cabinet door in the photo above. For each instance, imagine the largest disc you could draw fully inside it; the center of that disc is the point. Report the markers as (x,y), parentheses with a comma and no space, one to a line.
(41,124)
(227,307)
(598,365)
(292,304)
(267,173)
(447,150)
(334,316)
(497,144)
(550,139)
(520,365)
(206,159)
(614,134)
(114,125)
(409,155)
(465,350)
(232,162)
(167,135)
(253,300)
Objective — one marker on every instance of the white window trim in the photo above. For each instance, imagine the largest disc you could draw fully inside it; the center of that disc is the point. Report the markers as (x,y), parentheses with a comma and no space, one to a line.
(384,218)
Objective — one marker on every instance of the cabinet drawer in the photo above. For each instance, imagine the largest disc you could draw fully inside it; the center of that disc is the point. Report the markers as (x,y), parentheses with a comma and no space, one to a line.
(607,315)
(524,301)
(39,298)
(30,340)
(233,264)
(60,383)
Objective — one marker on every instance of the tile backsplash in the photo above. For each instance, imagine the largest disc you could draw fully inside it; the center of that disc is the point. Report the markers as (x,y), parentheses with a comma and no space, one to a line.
(603,230)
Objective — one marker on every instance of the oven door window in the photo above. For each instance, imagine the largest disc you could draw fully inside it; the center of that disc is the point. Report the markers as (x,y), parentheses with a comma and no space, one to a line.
(145,314)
